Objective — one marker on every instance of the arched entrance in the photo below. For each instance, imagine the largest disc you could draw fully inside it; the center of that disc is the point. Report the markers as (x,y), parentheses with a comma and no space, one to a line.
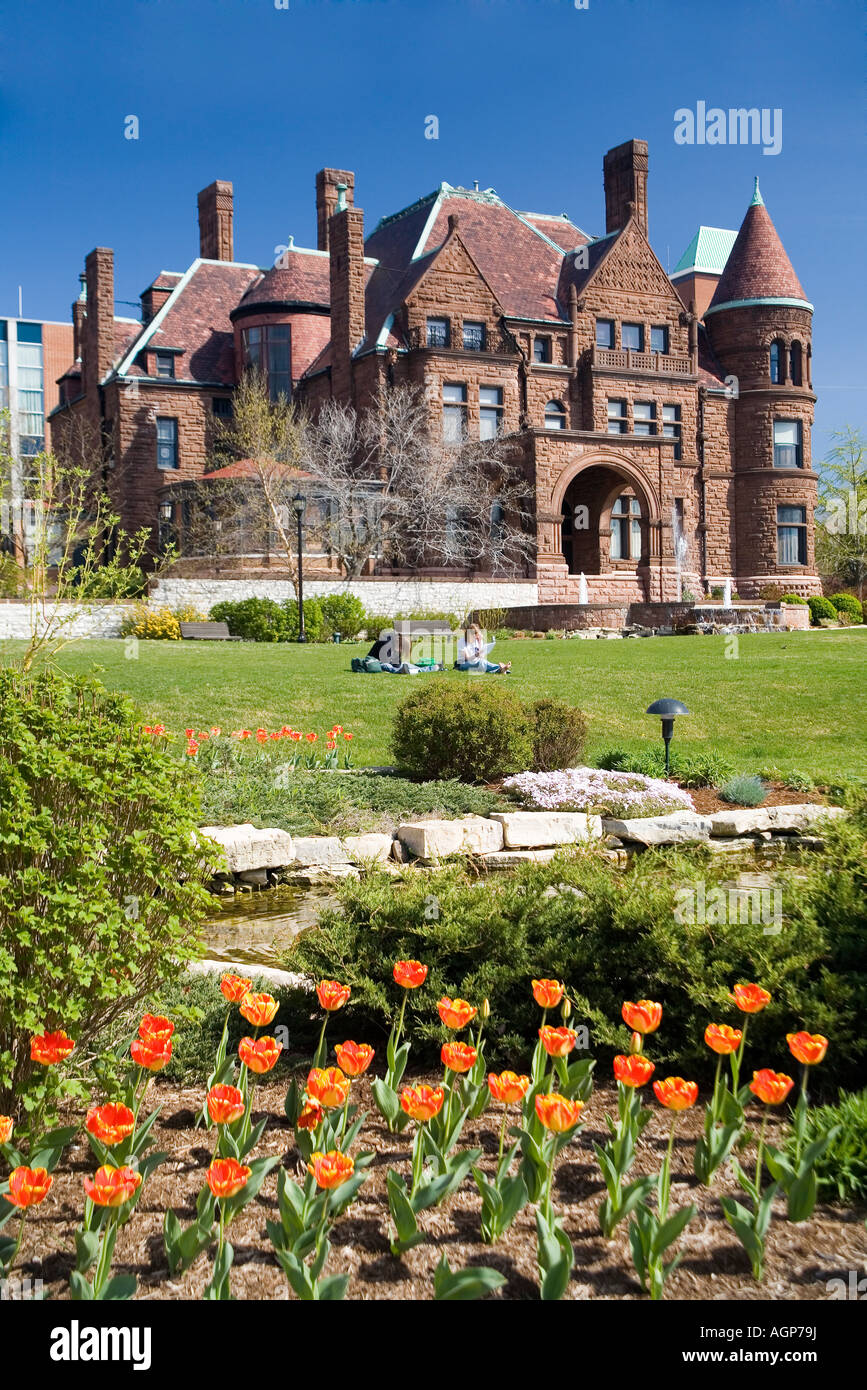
(606,522)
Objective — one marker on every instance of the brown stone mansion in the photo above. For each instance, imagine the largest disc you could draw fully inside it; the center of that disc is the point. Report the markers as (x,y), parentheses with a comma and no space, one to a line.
(664,420)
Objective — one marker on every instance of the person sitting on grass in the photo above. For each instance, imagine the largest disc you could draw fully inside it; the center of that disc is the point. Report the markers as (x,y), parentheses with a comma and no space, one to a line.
(472,656)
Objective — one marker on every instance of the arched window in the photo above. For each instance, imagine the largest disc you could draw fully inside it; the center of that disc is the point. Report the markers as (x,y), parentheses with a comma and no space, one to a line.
(796,364)
(778,352)
(555,416)
(626,528)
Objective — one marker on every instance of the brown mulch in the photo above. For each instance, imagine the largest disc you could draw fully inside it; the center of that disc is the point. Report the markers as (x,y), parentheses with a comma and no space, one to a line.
(801,1259)
(707,800)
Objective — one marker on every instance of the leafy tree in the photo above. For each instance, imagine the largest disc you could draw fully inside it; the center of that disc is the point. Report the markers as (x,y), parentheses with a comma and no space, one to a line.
(841,535)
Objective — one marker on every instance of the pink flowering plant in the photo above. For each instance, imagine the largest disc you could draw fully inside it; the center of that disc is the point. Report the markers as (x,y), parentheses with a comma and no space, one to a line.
(618,794)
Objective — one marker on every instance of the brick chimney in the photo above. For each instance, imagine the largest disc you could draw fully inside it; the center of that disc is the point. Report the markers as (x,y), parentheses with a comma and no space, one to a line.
(98,351)
(346,247)
(152,300)
(327,198)
(216,215)
(625,172)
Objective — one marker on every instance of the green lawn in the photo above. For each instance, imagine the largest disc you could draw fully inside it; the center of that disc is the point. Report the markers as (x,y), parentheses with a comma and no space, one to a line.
(794,700)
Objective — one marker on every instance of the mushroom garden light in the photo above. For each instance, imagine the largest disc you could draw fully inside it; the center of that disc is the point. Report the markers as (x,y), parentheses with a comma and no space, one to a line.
(668,710)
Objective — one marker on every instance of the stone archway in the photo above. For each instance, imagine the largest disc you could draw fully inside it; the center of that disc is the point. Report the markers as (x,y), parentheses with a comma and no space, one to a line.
(609,517)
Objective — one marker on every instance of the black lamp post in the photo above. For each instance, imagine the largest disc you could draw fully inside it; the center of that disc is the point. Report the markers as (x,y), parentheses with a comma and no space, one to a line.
(298,505)
(668,710)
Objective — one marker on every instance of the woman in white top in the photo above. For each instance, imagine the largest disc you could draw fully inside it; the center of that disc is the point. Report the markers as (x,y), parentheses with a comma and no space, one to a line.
(472,656)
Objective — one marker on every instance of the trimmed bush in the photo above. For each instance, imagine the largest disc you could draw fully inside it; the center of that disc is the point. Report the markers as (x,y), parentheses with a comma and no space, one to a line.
(255,619)
(476,731)
(559,732)
(343,613)
(158,624)
(849,605)
(314,623)
(820,608)
(794,598)
(100,877)
(744,790)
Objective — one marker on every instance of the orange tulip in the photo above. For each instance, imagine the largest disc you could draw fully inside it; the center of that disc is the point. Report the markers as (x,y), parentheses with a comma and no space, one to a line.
(455,1013)
(643,1017)
(722,1039)
(153,1056)
(328,1086)
(809,1048)
(548,993)
(258,1009)
(508,1088)
(225,1104)
(6,1127)
(458,1057)
(259,1054)
(557,1113)
(311,1115)
(331,1169)
(633,1070)
(49,1048)
(235,987)
(111,1123)
(111,1187)
(155,1029)
(421,1103)
(750,999)
(28,1187)
(354,1058)
(332,995)
(226,1177)
(771,1086)
(675,1093)
(409,973)
(557,1042)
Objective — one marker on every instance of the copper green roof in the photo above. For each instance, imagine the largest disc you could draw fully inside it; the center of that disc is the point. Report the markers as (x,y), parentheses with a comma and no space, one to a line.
(707,253)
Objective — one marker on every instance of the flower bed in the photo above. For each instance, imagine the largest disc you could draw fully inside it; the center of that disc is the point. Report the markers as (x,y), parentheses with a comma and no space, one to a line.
(618,794)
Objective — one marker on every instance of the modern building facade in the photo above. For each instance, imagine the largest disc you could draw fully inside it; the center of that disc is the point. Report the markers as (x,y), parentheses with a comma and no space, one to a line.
(32,354)
(664,421)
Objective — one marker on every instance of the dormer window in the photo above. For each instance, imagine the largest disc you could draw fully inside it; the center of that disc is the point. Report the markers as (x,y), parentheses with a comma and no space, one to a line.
(474,337)
(541,349)
(165,364)
(437,333)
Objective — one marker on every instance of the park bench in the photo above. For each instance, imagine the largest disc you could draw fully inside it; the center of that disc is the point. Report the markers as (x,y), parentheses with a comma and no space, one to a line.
(207,632)
(407,631)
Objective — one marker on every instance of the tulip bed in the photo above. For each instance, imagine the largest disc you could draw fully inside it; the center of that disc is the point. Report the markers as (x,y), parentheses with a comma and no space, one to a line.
(344,1184)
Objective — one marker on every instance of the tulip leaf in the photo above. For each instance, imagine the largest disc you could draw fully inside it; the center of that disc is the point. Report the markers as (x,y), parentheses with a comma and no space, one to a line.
(555,1256)
(119,1287)
(462,1285)
(80,1291)
(802,1196)
(87,1249)
(293,1102)
(333,1288)
(668,1232)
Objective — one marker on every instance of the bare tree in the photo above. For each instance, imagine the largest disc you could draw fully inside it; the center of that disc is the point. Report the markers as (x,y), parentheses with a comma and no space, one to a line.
(841,533)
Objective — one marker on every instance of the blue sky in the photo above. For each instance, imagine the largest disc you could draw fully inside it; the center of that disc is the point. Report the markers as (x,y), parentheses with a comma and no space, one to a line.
(529,95)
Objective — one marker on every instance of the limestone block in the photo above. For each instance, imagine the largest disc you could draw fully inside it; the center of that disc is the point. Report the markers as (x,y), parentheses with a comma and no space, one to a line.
(528,829)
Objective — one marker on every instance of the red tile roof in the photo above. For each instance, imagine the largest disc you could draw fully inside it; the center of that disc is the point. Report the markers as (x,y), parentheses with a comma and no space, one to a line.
(196,318)
(758,267)
(304,278)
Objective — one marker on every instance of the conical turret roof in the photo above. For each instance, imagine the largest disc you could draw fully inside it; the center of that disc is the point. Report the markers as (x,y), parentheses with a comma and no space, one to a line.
(758,270)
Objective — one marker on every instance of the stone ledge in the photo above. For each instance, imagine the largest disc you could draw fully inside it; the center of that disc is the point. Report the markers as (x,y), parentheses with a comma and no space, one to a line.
(782,819)
(537,829)
(680,827)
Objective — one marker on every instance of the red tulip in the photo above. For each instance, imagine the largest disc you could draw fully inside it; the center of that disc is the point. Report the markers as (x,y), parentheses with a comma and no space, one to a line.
(328,1086)
(311,1115)
(259,1054)
(235,987)
(809,1048)
(111,1123)
(643,1017)
(675,1093)
(557,1042)
(49,1048)
(28,1187)
(548,993)
(633,1070)
(155,1029)
(6,1127)
(226,1177)
(225,1104)
(771,1086)
(722,1039)
(458,1057)
(153,1056)
(750,999)
(409,974)
(557,1113)
(331,1169)
(354,1058)
(421,1103)
(111,1187)
(332,995)
(455,1013)
(258,1009)
(508,1088)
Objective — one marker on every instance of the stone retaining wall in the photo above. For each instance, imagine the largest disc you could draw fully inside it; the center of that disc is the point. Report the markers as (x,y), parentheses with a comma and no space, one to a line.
(99,620)
(380,596)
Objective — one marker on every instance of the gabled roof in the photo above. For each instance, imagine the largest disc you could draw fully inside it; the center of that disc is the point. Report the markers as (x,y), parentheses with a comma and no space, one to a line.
(758,271)
(195,318)
(706,254)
